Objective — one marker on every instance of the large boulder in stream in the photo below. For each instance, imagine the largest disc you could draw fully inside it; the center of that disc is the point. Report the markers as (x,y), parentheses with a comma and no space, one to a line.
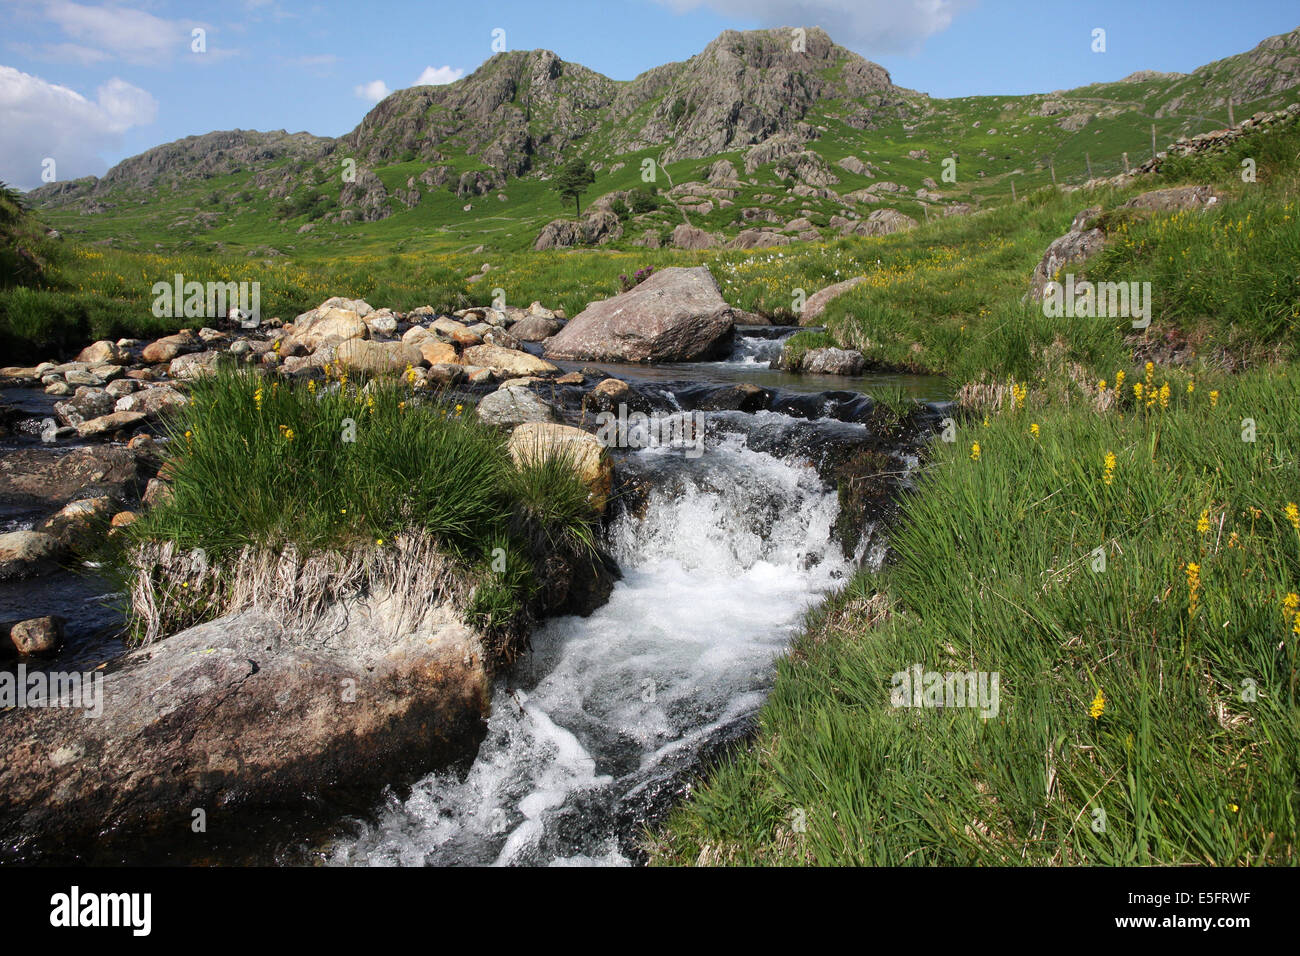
(676,315)
(240,715)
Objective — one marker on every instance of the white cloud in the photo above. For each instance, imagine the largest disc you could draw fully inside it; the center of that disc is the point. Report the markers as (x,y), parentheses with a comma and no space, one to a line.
(372,92)
(44,120)
(438,76)
(869,26)
(131,35)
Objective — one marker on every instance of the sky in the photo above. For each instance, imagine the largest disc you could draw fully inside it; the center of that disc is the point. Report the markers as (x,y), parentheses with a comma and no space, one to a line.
(85,84)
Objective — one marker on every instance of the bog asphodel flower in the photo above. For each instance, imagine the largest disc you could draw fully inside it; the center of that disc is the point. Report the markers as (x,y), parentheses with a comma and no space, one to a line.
(1203,522)
(1193,588)
(975,452)
(1098,706)
(1108,475)
(1214,398)
(1293,515)
(1033,429)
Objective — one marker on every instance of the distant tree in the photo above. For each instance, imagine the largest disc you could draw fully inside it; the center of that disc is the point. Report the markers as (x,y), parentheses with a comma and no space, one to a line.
(643,200)
(572,179)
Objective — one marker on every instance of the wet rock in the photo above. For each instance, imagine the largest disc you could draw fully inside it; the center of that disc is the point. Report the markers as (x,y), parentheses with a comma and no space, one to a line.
(34,637)
(47,476)
(445,374)
(78,524)
(744,397)
(509,407)
(24,554)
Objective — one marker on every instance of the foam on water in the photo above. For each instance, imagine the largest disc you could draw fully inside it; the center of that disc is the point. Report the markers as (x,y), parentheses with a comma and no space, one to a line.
(608,712)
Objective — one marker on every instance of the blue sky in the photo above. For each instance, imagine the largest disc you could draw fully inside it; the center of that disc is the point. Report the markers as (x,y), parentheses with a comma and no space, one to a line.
(88,83)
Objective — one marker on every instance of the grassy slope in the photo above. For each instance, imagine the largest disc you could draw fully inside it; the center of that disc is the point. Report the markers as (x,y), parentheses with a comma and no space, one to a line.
(999,570)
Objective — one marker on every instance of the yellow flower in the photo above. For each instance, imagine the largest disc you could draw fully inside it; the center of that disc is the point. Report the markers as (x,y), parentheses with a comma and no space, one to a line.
(1193,587)
(1293,515)
(1018,392)
(1203,523)
(1150,369)
(257,398)
(1137,391)
(975,452)
(1214,398)
(1119,380)
(1033,429)
(1164,395)
(1233,807)
(1098,706)
(311,386)
(1108,475)
(986,421)
(379,541)
(1191,387)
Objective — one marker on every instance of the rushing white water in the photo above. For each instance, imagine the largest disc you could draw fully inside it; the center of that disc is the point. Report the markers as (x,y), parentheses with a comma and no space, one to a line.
(755,351)
(595,730)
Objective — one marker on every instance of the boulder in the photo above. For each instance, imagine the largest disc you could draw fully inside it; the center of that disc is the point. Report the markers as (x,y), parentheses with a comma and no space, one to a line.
(1175,198)
(328,326)
(1072,249)
(692,237)
(676,315)
(538,441)
(881,222)
(240,716)
(510,361)
(535,328)
(515,405)
(817,302)
(758,238)
(170,346)
(103,352)
(377,358)
(194,365)
(832,361)
(438,353)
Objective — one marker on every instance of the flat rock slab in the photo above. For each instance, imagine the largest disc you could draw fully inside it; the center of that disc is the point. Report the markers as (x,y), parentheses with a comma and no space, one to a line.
(232,715)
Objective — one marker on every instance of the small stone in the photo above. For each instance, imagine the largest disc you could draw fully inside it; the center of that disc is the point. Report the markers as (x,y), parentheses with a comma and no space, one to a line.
(37,635)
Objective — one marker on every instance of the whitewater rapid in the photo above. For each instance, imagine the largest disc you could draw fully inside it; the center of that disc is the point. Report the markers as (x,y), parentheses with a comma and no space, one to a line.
(599,728)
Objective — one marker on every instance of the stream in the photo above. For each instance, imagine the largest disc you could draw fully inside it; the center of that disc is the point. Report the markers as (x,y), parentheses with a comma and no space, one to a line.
(600,729)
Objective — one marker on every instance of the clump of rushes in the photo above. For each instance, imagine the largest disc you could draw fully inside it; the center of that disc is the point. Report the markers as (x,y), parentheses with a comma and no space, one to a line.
(343,466)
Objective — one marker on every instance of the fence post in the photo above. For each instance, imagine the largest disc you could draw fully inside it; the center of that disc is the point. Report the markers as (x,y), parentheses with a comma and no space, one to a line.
(1052,169)
(1013,190)
(1153,140)
(1231,120)
(1088,160)
(1126,164)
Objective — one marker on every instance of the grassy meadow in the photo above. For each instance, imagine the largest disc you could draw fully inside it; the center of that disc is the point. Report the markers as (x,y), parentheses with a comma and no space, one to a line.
(1118,540)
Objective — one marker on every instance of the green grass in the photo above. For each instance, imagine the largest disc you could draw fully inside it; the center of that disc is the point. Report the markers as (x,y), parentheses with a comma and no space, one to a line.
(996,573)
(345,466)
(1187,628)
